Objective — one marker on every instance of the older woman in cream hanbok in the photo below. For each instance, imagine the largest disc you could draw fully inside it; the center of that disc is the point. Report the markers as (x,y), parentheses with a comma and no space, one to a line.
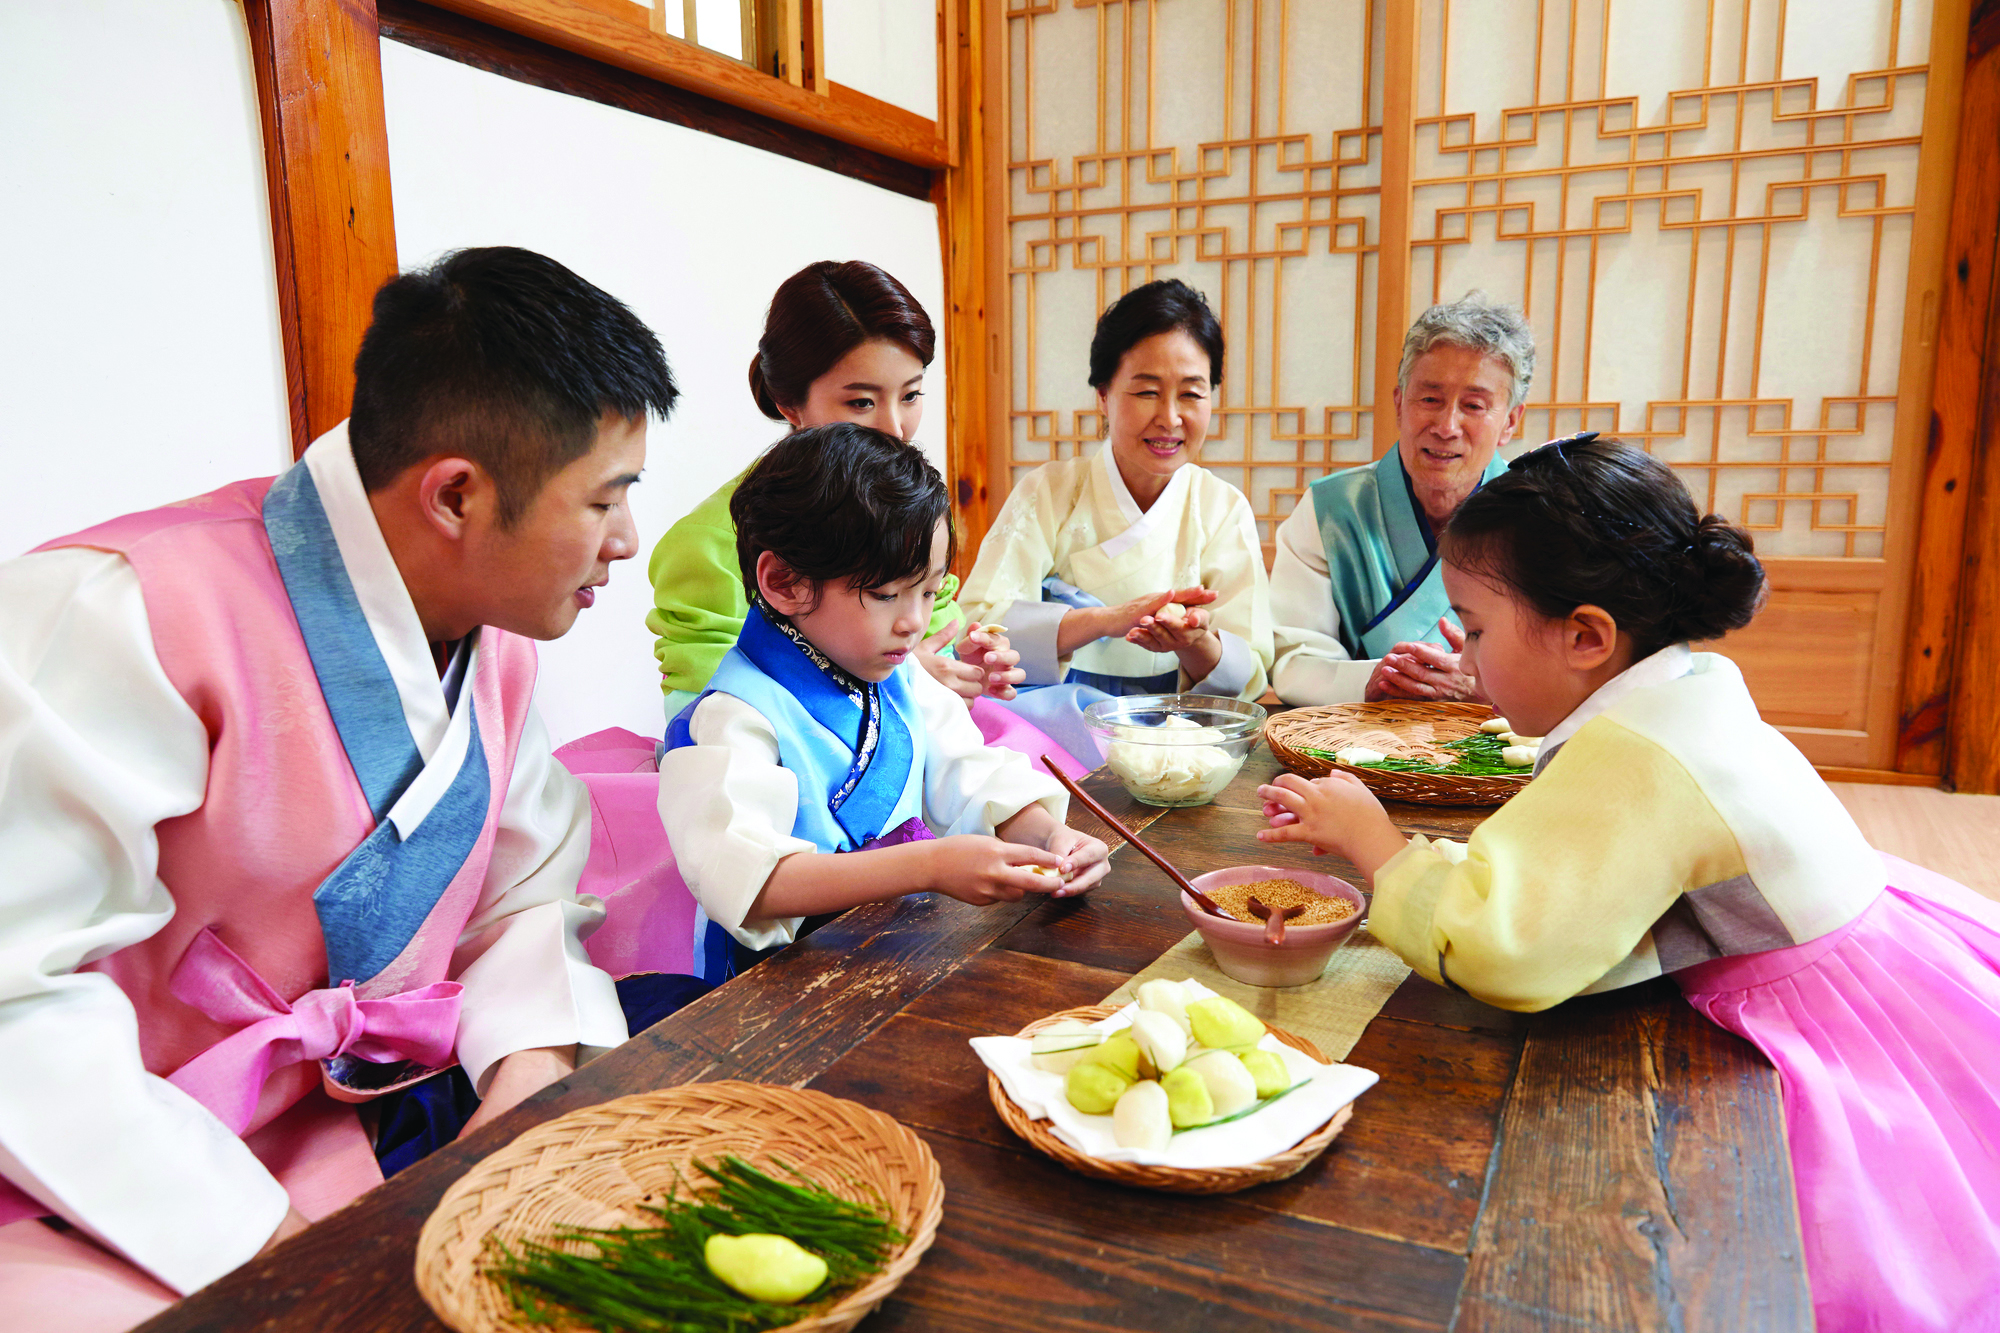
(1128,571)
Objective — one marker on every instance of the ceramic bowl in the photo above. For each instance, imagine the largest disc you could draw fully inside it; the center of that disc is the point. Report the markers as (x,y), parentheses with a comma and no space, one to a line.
(1159,766)
(1239,946)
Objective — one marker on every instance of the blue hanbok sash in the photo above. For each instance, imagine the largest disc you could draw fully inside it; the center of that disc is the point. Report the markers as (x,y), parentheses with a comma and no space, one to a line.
(1381,556)
(428,816)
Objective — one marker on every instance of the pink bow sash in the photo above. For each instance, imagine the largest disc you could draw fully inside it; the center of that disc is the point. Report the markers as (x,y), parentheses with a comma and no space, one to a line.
(419,1025)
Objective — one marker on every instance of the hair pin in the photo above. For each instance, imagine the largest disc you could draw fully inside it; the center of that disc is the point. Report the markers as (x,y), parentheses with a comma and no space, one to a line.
(1554,449)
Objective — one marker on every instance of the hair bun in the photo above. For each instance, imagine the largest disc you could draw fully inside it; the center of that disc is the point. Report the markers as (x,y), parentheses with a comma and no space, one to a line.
(1725,585)
(762,391)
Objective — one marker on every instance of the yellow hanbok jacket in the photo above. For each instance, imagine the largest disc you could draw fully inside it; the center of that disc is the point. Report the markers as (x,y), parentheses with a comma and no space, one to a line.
(1667,825)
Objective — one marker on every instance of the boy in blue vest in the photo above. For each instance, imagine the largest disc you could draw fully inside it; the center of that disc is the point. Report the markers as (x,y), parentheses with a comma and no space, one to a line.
(817,735)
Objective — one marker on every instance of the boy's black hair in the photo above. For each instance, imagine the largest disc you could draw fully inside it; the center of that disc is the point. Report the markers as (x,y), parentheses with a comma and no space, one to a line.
(1587,521)
(502,356)
(1166,306)
(841,502)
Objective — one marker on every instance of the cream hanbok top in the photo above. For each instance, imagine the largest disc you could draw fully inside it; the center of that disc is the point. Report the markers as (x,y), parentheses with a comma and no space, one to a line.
(1076,520)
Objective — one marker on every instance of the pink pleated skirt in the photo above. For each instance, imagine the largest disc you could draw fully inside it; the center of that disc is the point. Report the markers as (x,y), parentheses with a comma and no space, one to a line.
(1886,1035)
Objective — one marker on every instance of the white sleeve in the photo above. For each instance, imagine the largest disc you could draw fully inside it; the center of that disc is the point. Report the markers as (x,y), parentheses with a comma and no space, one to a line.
(1032,631)
(1313,666)
(970,786)
(528,982)
(728,806)
(97,747)
(1234,670)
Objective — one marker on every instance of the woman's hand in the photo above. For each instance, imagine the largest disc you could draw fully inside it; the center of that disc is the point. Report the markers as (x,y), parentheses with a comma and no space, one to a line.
(966,680)
(1425,671)
(1186,635)
(986,649)
(1336,813)
(518,1077)
(982,871)
(1086,624)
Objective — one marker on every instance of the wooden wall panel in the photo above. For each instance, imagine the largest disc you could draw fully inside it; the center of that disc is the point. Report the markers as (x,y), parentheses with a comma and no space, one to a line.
(326,160)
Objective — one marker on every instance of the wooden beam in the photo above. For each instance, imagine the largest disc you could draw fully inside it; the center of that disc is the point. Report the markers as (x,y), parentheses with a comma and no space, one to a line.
(1971,711)
(1931,641)
(1392,254)
(962,226)
(326,165)
(629,42)
(498,51)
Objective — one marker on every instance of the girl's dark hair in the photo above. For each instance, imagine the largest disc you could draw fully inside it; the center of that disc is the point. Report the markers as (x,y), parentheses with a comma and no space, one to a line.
(820,314)
(502,356)
(1585,521)
(840,502)
(1166,306)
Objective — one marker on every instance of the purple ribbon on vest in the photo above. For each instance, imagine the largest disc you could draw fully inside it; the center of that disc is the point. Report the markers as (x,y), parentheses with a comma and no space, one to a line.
(227,1078)
(910,830)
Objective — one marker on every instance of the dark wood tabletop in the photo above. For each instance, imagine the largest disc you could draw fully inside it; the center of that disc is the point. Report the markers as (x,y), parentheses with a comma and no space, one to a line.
(1614,1163)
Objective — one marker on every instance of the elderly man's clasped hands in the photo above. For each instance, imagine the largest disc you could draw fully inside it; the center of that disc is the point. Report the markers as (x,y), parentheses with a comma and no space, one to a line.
(1425,671)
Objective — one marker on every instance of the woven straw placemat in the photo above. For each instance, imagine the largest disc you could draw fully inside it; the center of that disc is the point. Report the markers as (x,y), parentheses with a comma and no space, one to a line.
(1331,1012)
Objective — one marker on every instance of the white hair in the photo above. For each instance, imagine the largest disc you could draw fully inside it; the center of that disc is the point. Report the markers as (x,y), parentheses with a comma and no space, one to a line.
(1478,325)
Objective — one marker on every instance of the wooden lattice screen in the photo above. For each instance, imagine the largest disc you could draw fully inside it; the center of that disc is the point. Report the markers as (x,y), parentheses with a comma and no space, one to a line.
(1724,221)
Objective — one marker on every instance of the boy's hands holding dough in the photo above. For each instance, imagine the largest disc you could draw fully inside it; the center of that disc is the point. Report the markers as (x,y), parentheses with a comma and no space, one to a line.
(1336,813)
(986,649)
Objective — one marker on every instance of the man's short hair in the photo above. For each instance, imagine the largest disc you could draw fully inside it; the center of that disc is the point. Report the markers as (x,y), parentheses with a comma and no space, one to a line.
(1478,325)
(504,357)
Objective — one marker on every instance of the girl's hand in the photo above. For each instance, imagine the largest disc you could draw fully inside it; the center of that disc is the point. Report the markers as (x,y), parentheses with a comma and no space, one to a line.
(1089,860)
(987,650)
(982,871)
(1334,813)
(966,680)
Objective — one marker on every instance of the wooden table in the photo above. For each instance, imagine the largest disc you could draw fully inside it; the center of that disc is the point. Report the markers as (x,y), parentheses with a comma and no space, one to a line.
(1616,1163)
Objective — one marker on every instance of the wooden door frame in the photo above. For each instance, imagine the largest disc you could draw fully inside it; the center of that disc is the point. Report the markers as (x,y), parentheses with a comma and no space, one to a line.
(1951,688)
(318,68)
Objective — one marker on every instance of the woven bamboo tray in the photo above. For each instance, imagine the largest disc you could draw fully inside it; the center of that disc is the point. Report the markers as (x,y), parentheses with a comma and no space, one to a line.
(1174,1179)
(1409,730)
(593,1167)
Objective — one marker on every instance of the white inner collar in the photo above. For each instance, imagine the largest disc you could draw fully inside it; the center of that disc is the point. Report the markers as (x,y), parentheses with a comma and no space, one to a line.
(378,586)
(1139,522)
(1670,663)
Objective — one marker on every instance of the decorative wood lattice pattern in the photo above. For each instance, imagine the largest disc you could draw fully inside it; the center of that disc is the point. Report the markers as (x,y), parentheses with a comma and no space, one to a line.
(1235,144)
(1705,210)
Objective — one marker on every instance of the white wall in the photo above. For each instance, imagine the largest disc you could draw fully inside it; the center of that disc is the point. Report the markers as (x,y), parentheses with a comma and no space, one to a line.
(694,233)
(885,48)
(140,356)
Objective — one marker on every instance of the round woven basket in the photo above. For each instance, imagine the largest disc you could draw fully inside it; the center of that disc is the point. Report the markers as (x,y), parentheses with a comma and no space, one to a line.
(592,1168)
(1409,730)
(1175,1179)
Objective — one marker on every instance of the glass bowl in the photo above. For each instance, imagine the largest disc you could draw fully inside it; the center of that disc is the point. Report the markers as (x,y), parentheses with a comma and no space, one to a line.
(1174,749)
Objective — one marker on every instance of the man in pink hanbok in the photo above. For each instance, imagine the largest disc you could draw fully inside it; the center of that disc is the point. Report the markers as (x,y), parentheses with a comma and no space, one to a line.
(281,829)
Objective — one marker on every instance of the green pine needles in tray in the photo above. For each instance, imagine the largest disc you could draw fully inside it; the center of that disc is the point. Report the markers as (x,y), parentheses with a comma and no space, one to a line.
(1478,756)
(656,1280)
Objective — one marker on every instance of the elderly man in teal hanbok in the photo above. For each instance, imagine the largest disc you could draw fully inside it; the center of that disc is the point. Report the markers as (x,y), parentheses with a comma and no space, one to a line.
(1356,592)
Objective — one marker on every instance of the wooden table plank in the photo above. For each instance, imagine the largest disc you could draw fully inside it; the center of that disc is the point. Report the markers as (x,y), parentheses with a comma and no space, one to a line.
(1027,1245)
(1409,1167)
(1638,1171)
(1642,1180)
(782,1022)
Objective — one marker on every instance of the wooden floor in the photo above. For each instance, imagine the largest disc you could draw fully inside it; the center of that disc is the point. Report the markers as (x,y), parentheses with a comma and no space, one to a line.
(1949,832)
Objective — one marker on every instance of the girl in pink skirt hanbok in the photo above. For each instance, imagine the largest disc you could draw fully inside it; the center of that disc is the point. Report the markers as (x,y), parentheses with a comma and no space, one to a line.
(1670,830)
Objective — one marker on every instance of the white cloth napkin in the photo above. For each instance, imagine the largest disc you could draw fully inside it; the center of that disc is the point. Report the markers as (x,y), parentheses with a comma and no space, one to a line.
(1238,1143)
